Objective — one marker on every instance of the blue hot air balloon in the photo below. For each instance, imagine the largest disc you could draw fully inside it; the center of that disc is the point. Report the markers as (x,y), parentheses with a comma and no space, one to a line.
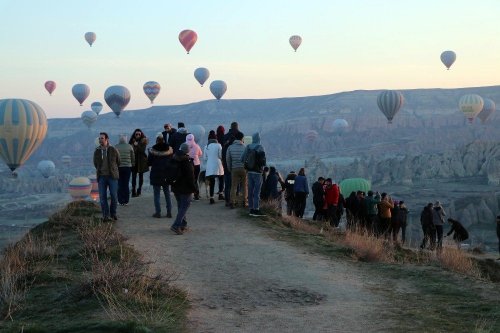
(201,75)
(218,88)
(389,102)
(96,107)
(80,92)
(117,98)
(488,108)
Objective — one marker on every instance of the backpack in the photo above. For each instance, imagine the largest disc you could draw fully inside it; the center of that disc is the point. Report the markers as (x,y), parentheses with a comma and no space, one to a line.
(171,171)
(255,159)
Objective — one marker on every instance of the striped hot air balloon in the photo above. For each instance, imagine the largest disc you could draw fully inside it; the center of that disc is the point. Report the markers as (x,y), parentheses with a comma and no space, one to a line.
(79,188)
(151,89)
(80,91)
(23,126)
(389,102)
(117,98)
(188,38)
(218,88)
(470,105)
(50,86)
(488,108)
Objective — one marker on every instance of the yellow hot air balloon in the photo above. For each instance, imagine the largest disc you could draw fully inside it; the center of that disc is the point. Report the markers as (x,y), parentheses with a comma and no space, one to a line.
(80,188)
(470,105)
(23,126)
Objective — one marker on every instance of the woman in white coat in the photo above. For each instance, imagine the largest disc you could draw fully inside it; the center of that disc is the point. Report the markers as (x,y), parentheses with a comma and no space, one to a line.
(213,158)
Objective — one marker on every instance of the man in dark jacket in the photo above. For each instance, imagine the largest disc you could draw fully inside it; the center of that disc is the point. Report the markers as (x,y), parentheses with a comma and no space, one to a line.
(168,134)
(227,141)
(158,157)
(459,232)
(426,220)
(178,137)
(289,193)
(254,173)
(318,199)
(183,188)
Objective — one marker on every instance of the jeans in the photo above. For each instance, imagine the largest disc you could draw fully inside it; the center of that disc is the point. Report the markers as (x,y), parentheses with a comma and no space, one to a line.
(254,185)
(104,182)
(183,203)
(227,186)
(166,193)
(123,188)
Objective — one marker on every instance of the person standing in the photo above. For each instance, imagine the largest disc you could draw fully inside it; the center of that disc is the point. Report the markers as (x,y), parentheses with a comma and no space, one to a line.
(168,134)
(195,153)
(318,199)
(179,137)
(301,190)
(289,194)
(127,161)
(183,188)
(371,203)
(212,156)
(403,220)
(254,160)
(428,227)
(385,207)
(332,194)
(238,173)
(438,220)
(158,158)
(106,163)
(226,140)
(139,142)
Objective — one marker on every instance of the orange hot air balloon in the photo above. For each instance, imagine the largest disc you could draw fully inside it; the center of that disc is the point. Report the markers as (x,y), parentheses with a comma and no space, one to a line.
(188,38)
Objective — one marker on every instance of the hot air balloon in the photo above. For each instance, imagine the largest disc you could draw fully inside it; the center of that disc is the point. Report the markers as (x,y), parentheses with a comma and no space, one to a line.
(201,75)
(311,136)
(50,86)
(247,139)
(80,92)
(340,125)
(89,118)
(66,160)
(448,58)
(198,131)
(349,185)
(46,168)
(96,107)
(188,38)
(90,38)
(389,102)
(295,41)
(94,191)
(23,126)
(488,108)
(117,98)
(471,105)
(218,88)
(79,188)
(151,89)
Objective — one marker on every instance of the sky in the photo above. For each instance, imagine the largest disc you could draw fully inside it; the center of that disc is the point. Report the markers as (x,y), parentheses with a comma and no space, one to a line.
(347,45)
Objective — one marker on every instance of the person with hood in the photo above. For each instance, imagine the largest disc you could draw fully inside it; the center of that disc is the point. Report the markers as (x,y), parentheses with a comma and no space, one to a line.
(301,190)
(183,188)
(139,142)
(428,228)
(179,137)
(318,199)
(371,203)
(459,232)
(106,162)
(157,160)
(226,140)
(213,158)
(195,153)
(237,170)
(168,134)
(254,160)
(438,220)
(289,194)
(127,161)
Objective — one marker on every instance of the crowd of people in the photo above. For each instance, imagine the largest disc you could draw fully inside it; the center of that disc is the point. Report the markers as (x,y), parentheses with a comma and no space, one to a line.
(175,163)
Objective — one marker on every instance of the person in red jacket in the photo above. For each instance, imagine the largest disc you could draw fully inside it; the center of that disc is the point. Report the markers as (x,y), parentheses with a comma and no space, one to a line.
(332,194)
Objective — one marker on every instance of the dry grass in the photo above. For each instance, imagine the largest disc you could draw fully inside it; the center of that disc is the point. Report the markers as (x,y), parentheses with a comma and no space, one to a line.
(97,236)
(367,247)
(20,265)
(458,261)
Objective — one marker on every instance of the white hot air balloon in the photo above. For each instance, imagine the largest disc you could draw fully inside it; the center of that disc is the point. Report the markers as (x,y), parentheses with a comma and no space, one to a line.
(218,88)
(295,42)
(448,58)
(47,168)
(340,126)
(89,118)
(90,37)
(201,75)
(470,105)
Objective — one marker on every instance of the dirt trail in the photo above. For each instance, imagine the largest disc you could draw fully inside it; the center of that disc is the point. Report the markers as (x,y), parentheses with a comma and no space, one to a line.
(239,279)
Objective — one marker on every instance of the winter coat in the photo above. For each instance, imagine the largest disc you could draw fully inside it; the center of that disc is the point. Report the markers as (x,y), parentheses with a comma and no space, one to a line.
(385,207)
(371,203)
(141,159)
(461,233)
(289,185)
(178,138)
(194,149)
(332,195)
(227,141)
(255,145)
(185,183)
(213,155)
(157,158)
(127,156)
(169,136)
(113,158)
(403,215)
(271,186)
(438,216)
(234,153)
(301,184)
(318,193)
(426,218)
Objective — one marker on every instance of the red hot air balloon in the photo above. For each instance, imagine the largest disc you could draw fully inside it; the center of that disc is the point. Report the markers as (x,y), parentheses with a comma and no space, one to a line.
(188,38)
(50,86)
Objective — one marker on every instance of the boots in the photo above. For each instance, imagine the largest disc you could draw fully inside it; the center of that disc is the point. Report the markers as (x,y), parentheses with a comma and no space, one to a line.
(139,192)
(134,193)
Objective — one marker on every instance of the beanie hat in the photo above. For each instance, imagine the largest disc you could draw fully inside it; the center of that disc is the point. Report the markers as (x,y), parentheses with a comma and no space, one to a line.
(180,125)
(185,148)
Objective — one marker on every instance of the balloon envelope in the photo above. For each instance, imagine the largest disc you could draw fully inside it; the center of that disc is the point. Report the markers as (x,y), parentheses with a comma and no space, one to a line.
(80,188)
(90,37)
(23,126)
(198,131)
(488,108)
(471,105)
(295,42)
(80,91)
(117,98)
(218,88)
(448,58)
(340,125)
(89,118)
(66,160)
(47,168)
(247,139)
(389,102)
(96,107)
(188,38)
(151,89)
(349,185)
(50,86)
(201,75)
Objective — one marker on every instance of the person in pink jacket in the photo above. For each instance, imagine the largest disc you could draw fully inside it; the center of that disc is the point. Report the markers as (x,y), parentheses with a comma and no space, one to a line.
(195,153)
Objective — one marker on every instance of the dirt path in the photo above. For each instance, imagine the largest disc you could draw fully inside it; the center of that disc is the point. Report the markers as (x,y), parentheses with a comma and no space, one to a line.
(239,279)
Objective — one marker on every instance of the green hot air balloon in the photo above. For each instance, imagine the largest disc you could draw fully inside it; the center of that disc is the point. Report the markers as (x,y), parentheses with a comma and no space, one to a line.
(353,185)
(23,126)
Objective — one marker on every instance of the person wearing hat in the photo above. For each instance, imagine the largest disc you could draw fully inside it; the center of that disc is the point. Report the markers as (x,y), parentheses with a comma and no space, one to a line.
(183,188)
(157,159)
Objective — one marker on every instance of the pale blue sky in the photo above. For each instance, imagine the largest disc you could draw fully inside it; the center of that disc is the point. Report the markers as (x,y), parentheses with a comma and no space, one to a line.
(347,45)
